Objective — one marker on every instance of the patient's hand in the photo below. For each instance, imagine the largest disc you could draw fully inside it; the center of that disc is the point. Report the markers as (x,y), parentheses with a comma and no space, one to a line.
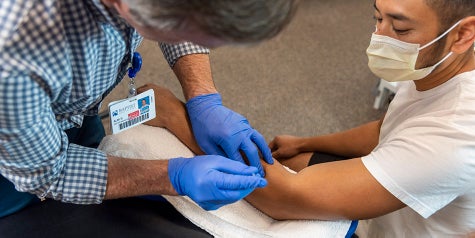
(288,151)
(285,146)
(172,115)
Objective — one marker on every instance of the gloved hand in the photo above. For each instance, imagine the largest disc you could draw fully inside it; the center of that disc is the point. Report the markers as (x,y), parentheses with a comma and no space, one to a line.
(221,131)
(213,181)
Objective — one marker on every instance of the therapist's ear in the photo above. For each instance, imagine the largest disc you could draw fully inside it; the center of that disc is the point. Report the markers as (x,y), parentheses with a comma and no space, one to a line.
(120,7)
(109,3)
(465,36)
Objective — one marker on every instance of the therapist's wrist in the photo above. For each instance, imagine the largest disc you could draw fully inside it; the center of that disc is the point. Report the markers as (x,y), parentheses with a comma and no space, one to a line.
(200,92)
(175,167)
(194,73)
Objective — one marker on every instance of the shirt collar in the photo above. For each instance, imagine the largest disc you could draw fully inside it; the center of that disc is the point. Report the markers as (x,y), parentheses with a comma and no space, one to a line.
(103,13)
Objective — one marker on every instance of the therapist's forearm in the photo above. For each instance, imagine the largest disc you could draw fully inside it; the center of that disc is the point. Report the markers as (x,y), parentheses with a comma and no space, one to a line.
(194,73)
(352,143)
(132,177)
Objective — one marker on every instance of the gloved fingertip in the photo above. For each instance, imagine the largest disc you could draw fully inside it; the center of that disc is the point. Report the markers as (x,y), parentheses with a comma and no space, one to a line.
(270,160)
(257,175)
(262,183)
(262,173)
(267,156)
(251,170)
(259,171)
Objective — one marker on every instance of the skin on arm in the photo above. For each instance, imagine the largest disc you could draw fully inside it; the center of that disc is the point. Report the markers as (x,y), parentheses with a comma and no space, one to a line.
(295,152)
(329,191)
(351,143)
(297,162)
(194,73)
(134,177)
(172,115)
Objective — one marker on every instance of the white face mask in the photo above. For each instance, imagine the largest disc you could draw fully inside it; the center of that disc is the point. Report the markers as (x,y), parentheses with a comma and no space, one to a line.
(394,60)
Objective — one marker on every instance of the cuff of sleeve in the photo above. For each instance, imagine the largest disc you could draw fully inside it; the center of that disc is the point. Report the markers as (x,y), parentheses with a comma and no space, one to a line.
(86,175)
(173,52)
(389,184)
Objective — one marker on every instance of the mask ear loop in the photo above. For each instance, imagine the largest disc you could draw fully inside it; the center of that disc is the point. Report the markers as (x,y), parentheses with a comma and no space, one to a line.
(442,60)
(440,37)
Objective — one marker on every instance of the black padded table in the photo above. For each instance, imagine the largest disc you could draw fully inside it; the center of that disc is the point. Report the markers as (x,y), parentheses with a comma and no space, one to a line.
(131,217)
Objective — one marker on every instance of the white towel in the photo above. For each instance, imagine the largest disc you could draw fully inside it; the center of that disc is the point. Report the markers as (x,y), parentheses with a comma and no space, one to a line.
(239,219)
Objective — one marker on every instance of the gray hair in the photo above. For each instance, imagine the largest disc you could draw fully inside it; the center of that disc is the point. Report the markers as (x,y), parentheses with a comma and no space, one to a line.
(240,21)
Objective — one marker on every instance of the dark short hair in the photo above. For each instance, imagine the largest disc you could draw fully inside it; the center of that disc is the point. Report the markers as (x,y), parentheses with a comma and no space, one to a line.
(451,11)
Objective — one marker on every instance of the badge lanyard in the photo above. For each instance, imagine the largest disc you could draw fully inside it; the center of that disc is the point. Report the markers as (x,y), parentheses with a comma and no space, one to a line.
(134,68)
(135,109)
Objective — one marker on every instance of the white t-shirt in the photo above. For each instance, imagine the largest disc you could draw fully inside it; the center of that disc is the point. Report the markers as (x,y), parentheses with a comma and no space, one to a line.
(426,158)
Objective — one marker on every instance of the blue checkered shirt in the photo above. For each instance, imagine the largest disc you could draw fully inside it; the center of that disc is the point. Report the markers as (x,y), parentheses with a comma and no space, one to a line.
(58,60)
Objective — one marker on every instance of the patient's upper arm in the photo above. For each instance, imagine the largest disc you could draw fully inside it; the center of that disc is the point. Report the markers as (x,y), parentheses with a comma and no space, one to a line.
(328,191)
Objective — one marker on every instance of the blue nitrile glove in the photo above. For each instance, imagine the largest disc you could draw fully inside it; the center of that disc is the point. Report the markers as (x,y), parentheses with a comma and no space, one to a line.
(213,181)
(221,131)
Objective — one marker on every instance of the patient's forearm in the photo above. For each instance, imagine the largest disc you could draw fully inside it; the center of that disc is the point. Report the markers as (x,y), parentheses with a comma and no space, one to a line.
(171,114)
(181,128)
(352,143)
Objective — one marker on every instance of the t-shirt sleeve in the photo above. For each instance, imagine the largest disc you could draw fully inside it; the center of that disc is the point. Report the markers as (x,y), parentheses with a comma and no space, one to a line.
(425,165)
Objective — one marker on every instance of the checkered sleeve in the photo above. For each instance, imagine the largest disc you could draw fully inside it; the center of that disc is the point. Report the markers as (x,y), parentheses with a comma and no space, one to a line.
(34,152)
(173,52)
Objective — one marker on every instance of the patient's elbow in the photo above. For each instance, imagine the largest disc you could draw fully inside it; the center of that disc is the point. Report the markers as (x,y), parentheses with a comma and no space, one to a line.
(281,214)
(276,212)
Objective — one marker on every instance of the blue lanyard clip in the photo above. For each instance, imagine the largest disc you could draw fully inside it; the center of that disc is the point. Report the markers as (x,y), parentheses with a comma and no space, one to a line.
(136,65)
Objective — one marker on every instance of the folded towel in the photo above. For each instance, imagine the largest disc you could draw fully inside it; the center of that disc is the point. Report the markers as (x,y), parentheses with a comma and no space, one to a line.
(239,219)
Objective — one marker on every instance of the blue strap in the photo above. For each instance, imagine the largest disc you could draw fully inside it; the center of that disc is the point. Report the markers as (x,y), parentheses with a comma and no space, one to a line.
(352,229)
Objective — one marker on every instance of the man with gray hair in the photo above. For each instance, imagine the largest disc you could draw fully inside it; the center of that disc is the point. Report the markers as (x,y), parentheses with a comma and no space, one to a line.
(60,58)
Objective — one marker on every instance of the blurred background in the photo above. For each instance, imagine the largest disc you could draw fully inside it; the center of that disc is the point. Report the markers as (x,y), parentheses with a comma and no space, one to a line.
(311,79)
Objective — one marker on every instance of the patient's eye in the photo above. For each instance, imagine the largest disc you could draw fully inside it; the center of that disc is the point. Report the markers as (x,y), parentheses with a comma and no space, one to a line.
(378,19)
(401,31)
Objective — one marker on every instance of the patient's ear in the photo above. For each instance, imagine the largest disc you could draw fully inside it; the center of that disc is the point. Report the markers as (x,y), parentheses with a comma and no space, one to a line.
(465,36)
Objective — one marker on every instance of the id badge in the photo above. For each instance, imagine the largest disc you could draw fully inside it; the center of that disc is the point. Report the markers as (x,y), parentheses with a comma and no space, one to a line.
(133,111)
